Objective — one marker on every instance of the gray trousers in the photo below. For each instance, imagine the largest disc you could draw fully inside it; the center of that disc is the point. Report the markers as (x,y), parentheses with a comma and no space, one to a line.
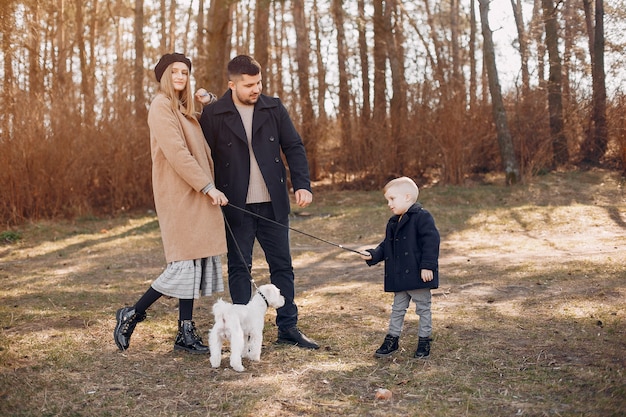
(401,301)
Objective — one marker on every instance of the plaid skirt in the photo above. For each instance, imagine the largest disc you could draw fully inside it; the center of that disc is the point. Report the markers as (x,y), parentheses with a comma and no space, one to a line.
(191,279)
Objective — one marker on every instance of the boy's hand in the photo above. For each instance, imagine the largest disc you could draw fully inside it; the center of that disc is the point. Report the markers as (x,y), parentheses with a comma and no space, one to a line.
(427,275)
(366,256)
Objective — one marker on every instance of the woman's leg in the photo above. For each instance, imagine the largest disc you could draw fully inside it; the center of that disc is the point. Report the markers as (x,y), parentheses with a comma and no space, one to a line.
(187,338)
(128,317)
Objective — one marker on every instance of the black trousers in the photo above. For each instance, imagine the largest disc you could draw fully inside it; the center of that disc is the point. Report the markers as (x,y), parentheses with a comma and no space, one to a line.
(274,240)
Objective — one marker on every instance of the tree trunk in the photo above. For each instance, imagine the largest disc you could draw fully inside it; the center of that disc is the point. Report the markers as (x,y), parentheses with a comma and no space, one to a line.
(60,72)
(242,23)
(173,23)
(507,151)
(276,77)
(307,120)
(92,41)
(120,103)
(366,111)
(364,59)
(457,75)
(261,39)
(523,45)
(537,36)
(321,69)
(218,46)
(140,102)
(473,87)
(202,60)
(595,144)
(364,139)
(439,61)
(398,113)
(82,58)
(379,116)
(343,115)
(61,78)
(555,97)
(7,107)
(35,72)
(569,46)
(186,48)
(163,28)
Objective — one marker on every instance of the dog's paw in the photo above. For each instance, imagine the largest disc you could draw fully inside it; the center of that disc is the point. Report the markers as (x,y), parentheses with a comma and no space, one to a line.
(250,355)
(238,368)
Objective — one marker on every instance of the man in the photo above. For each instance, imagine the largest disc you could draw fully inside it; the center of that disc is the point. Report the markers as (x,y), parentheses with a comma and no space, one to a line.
(247,131)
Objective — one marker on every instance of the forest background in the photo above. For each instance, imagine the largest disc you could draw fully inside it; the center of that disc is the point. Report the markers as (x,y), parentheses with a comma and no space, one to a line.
(376,88)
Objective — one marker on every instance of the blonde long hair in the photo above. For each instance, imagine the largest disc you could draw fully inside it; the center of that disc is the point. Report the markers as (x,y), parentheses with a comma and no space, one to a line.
(183,101)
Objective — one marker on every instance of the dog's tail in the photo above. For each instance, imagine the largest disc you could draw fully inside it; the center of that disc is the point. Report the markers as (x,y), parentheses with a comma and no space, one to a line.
(219,309)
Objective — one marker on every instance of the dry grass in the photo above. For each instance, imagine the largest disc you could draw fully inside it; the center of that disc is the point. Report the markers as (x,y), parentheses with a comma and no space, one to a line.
(529,319)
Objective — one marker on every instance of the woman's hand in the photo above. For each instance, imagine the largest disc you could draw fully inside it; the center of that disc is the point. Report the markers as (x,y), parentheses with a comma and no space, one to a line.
(218,197)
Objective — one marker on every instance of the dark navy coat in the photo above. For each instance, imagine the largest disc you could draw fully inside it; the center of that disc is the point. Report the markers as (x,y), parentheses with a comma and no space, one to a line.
(411,244)
(272,133)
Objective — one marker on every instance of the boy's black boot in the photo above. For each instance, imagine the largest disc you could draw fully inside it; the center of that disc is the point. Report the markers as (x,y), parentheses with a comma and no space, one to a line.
(127,319)
(188,339)
(390,345)
(423,348)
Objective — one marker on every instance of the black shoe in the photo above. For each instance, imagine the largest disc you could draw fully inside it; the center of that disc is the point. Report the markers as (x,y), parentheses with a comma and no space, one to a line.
(390,345)
(188,339)
(127,319)
(423,348)
(295,337)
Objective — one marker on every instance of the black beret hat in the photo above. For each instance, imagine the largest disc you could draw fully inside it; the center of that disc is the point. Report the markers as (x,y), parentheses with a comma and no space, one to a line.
(168,59)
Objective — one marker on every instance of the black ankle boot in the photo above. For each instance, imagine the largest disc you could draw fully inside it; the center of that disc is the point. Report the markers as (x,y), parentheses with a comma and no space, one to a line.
(389,346)
(188,340)
(423,348)
(127,319)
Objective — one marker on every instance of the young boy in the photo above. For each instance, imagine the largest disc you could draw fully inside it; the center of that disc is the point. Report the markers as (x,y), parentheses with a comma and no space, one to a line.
(411,253)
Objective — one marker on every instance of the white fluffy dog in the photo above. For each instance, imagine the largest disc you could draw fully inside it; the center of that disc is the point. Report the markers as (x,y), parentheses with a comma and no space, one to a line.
(242,325)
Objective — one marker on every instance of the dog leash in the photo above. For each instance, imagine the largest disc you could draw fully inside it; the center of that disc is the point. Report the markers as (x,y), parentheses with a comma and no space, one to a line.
(291,228)
(243,259)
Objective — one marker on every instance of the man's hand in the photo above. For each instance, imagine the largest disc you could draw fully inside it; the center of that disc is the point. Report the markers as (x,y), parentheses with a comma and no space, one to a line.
(303,197)
(204,97)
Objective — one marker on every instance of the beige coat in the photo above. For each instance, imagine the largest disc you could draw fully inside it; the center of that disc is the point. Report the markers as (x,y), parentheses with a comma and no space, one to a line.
(191,226)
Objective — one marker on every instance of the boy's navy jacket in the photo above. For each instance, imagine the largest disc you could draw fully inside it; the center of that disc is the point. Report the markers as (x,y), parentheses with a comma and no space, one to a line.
(411,244)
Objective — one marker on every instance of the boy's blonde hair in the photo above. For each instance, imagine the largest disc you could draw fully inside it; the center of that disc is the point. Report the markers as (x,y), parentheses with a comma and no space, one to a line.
(406,185)
(182,101)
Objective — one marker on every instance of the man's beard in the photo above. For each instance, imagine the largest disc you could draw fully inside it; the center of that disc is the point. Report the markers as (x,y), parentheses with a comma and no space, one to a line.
(247,100)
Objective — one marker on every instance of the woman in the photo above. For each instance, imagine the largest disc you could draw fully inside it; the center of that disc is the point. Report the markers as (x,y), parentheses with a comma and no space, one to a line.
(187,205)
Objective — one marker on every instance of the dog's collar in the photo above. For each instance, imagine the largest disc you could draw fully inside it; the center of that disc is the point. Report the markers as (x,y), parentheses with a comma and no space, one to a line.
(263,297)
